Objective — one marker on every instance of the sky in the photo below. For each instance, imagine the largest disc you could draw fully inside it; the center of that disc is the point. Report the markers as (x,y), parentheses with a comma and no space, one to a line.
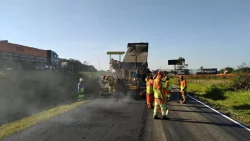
(208,33)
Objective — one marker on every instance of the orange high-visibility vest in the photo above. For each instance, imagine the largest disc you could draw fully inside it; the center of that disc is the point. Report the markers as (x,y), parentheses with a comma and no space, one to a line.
(169,85)
(183,84)
(157,83)
(150,84)
(158,87)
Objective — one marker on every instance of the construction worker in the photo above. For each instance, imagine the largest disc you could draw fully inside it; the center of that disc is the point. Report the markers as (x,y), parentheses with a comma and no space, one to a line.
(80,89)
(111,82)
(168,88)
(145,91)
(154,77)
(103,80)
(150,92)
(163,81)
(159,97)
(183,89)
(147,78)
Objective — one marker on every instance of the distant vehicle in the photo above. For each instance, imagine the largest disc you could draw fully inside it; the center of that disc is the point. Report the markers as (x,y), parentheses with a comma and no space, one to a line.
(183,72)
(207,71)
(28,57)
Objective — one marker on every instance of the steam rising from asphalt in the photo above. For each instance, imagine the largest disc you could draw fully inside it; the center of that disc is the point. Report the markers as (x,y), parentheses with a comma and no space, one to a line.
(103,106)
(23,93)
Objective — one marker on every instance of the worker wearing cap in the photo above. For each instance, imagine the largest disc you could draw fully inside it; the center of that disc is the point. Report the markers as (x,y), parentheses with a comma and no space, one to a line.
(183,89)
(150,92)
(80,89)
(111,82)
(159,97)
(168,88)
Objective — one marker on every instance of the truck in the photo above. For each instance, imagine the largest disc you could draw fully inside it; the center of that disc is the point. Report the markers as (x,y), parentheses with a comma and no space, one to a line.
(134,67)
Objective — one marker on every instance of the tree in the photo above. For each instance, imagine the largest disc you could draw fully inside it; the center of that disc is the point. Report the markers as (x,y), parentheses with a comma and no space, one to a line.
(229,69)
(241,78)
(181,63)
(221,71)
(243,68)
(76,66)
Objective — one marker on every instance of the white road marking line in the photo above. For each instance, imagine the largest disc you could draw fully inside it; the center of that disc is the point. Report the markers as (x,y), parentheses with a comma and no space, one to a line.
(236,122)
(243,126)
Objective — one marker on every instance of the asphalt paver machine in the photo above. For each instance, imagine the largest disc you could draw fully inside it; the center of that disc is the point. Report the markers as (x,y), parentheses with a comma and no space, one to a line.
(132,71)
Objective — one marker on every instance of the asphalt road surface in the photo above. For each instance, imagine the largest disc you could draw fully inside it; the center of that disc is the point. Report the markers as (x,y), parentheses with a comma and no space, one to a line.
(126,118)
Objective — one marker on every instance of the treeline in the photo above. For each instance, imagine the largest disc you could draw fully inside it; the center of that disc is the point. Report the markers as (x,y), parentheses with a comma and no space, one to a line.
(244,68)
(73,65)
(240,80)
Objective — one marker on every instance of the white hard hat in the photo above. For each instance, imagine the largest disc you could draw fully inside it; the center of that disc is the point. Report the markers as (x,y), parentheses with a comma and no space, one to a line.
(81,79)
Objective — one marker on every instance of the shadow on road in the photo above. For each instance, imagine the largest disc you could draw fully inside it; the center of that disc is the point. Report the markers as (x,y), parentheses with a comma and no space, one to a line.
(194,106)
(193,111)
(204,122)
(175,97)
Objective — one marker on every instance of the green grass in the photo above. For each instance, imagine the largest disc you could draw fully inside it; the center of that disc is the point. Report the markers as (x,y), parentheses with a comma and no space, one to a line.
(201,86)
(39,89)
(237,103)
(10,128)
(214,92)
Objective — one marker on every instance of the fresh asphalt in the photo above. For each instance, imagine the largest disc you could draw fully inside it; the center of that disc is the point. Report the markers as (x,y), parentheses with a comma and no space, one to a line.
(121,117)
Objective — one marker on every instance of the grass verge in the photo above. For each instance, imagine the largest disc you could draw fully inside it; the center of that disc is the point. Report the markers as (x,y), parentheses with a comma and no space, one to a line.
(215,93)
(10,128)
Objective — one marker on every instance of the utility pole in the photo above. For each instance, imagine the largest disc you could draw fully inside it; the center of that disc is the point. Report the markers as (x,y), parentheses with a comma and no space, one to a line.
(99,65)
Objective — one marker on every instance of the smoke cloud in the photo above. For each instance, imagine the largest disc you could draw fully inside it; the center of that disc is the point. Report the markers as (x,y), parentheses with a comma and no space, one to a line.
(23,93)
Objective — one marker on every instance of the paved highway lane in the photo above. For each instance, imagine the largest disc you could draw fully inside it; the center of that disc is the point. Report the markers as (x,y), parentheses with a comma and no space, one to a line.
(117,119)
(124,118)
(193,122)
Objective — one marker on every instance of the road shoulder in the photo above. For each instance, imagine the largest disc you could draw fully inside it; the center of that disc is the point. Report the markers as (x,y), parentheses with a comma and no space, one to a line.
(19,125)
